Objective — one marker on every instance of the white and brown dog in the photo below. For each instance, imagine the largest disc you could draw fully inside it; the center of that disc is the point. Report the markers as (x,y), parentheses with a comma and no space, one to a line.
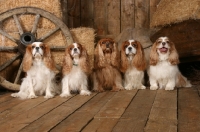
(41,71)
(133,64)
(76,70)
(163,70)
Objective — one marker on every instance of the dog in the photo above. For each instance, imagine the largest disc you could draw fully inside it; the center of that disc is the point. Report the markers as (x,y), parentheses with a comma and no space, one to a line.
(163,70)
(76,70)
(41,72)
(106,74)
(133,64)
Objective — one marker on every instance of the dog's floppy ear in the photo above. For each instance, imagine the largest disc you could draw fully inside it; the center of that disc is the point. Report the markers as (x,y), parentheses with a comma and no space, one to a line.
(153,55)
(99,58)
(84,61)
(173,56)
(67,63)
(139,59)
(124,60)
(28,59)
(49,62)
(115,57)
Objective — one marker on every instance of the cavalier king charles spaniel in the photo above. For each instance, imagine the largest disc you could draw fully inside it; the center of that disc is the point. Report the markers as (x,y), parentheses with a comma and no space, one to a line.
(163,70)
(106,74)
(40,73)
(75,70)
(133,64)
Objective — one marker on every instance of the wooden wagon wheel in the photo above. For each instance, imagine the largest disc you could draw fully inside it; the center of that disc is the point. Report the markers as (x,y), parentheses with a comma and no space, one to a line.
(27,38)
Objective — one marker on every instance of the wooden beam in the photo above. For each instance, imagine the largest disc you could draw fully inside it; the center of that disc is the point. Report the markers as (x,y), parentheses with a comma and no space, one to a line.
(127,14)
(142,14)
(87,10)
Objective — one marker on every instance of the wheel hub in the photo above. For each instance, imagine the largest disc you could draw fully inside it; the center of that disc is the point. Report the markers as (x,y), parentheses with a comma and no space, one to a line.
(25,40)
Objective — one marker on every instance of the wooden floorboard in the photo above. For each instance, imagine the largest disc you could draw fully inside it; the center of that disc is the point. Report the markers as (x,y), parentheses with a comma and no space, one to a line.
(79,119)
(61,112)
(123,111)
(111,112)
(137,113)
(24,119)
(189,110)
(163,115)
(9,104)
(20,108)
(5,97)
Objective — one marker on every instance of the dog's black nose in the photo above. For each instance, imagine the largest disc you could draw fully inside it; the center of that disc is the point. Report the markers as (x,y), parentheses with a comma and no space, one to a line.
(129,48)
(75,49)
(107,45)
(163,43)
(37,48)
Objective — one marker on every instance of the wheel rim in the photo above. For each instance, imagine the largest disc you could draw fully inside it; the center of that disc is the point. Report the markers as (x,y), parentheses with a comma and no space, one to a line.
(27,38)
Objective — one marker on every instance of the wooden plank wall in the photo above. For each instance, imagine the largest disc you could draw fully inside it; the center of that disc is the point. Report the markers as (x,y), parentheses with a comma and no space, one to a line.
(108,17)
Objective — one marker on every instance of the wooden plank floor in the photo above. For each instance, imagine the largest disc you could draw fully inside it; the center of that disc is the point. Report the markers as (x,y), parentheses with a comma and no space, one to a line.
(124,111)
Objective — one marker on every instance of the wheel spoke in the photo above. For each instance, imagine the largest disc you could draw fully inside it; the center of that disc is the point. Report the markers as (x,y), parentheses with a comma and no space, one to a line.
(35,24)
(8,49)
(18,24)
(48,34)
(2,67)
(19,73)
(8,36)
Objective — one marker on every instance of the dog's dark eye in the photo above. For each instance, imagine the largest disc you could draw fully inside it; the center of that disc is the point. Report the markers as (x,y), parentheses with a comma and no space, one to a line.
(33,47)
(41,47)
(70,48)
(135,45)
(103,42)
(167,41)
(159,42)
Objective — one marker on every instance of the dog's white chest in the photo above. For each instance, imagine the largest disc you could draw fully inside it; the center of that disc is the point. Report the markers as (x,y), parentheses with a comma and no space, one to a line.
(163,70)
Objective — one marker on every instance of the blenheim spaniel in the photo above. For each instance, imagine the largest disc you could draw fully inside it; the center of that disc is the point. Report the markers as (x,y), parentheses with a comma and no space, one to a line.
(76,70)
(163,70)
(133,64)
(41,71)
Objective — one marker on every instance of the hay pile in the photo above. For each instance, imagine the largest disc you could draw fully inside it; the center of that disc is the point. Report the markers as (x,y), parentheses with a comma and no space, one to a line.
(27,20)
(175,11)
(86,37)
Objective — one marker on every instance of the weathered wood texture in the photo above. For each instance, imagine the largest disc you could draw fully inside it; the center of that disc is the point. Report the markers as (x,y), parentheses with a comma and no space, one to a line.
(123,111)
(189,110)
(108,17)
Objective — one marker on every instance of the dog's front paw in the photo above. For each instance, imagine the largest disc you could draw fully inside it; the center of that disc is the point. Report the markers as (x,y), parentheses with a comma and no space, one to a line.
(142,87)
(48,96)
(116,89)
(99,90)
(128,88)
(169,88)
(15,95)
(32,96)
(65,95)
(153,87)
(85,92)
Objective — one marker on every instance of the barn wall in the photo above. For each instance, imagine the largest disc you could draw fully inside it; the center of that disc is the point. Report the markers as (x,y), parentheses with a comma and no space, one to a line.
(108,17)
